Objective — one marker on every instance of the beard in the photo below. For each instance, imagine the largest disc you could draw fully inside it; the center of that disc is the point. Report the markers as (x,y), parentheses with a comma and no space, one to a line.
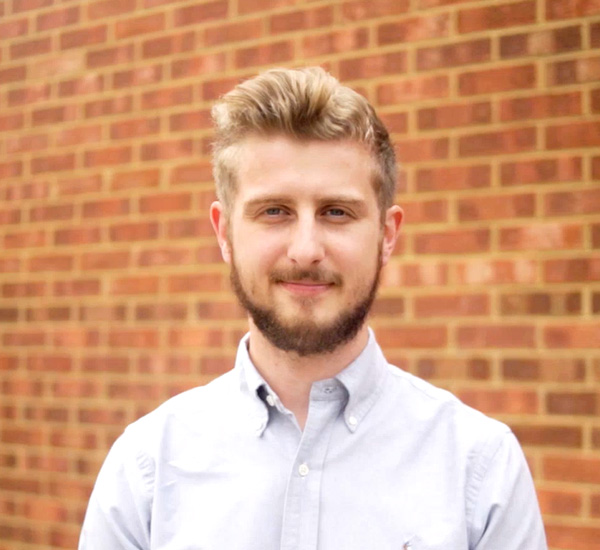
(307,337)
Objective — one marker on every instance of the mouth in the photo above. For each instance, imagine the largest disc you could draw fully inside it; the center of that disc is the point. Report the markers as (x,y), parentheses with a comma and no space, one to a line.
(306,288)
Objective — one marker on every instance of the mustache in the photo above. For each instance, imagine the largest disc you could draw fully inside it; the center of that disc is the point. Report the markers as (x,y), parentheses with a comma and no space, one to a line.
(310,275)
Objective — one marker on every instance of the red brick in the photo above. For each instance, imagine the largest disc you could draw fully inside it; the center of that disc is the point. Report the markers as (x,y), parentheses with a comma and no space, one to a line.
(306,19)
(497,17)
(414,29)
(413,89)
(265,54)
(57,19)
(541,106)
(109,56)
(451,305)
(413,337)
(432,211)
(165,256)
(572,403)
(79,135)
(564,169)
(573,537)
(50,213)
(29,190)
(105,364)
(566,9)
(453,178)
(183,229)
(190,120)
(572,270)
(12,121)
(78,185)
(140,25)
(108,156)
(195,338)
(595,35)
(454,115)
(498,143)
(452,55)
(51,263)
(198,14)
(88,84)
(107,107)
(595,505)
(25,239)
(83,37)
(77,236)
(29,48)
(10,216)
(134,231)
(135,179)
(203,282)
(106,208)
(494,207)
(53,115)
(359,10)
(463,241)
(32,94)
(168,45)
(24,290)
(248,6)
(339,41)
(13,29)
(574,71)
(103,313)
(417,150)
(501,336)
(139,127)
(542,370)
(595,100)
(140,76)
(546,236)
(581,202)
(10,169)
(167,97)
(161,312)
(110,8)
(542,42)
(551,436)
(373,66)
(573,469)
(229,33)
(166,202)
(505,401)
(13,74)
(54,163)
(572,336)
(27,143)
(135,285)
(574,134)
(504,79)
(167,149)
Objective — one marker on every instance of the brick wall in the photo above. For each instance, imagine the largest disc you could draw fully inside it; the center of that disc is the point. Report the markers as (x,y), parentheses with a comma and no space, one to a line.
(113,296)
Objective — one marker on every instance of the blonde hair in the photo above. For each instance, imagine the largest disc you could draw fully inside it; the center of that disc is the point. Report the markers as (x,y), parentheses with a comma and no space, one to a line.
(305,104)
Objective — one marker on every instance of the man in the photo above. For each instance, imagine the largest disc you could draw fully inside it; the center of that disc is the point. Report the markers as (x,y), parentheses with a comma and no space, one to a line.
(312,441)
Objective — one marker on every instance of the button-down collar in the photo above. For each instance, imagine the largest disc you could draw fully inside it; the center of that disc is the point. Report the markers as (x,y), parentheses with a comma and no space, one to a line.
(361,381)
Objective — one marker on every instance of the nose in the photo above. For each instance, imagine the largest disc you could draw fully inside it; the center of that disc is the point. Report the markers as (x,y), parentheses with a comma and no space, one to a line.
(305,247)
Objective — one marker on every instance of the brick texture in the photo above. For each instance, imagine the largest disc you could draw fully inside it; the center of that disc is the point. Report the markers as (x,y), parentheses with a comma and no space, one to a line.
(113,296)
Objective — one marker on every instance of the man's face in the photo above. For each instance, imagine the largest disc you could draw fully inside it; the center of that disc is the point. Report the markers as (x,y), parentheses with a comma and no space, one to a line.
(305,241)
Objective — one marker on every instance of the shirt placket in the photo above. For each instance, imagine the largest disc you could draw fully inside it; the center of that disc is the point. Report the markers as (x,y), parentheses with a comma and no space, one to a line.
(302,500)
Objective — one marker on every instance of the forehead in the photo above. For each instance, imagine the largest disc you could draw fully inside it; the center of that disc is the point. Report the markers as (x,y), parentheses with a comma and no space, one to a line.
(281,165)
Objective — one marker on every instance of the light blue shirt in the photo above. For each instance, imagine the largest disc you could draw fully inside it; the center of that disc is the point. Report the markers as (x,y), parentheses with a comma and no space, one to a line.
(385,462)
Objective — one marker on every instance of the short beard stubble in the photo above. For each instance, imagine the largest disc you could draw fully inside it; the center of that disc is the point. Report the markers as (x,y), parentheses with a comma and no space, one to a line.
(307,337)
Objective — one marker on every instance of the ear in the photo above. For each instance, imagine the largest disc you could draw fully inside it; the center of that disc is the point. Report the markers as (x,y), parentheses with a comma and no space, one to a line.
(218,219)
(391,230)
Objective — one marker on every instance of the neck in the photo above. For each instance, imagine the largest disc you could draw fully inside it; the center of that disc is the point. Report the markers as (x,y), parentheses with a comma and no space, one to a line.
(291,376)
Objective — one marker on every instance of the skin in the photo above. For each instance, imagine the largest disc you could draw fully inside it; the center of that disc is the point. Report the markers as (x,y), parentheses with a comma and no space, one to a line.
(304,207)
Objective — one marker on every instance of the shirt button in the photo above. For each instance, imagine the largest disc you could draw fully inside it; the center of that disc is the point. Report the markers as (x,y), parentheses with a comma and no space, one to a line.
(328,389)
(352,421)
(270,400)
(303,469)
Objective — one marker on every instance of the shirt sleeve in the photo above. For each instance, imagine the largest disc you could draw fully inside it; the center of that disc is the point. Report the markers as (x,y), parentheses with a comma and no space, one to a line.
(118,513)
(505,510)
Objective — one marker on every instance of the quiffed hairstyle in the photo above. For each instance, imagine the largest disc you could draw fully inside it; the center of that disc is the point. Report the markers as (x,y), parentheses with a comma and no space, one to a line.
(305,104)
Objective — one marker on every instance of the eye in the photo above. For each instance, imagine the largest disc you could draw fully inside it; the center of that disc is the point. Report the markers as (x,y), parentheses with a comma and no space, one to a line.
(336,213)
(274,211)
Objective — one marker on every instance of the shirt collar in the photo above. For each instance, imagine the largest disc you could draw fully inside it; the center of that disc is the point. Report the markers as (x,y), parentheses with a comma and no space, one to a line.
(362,379)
